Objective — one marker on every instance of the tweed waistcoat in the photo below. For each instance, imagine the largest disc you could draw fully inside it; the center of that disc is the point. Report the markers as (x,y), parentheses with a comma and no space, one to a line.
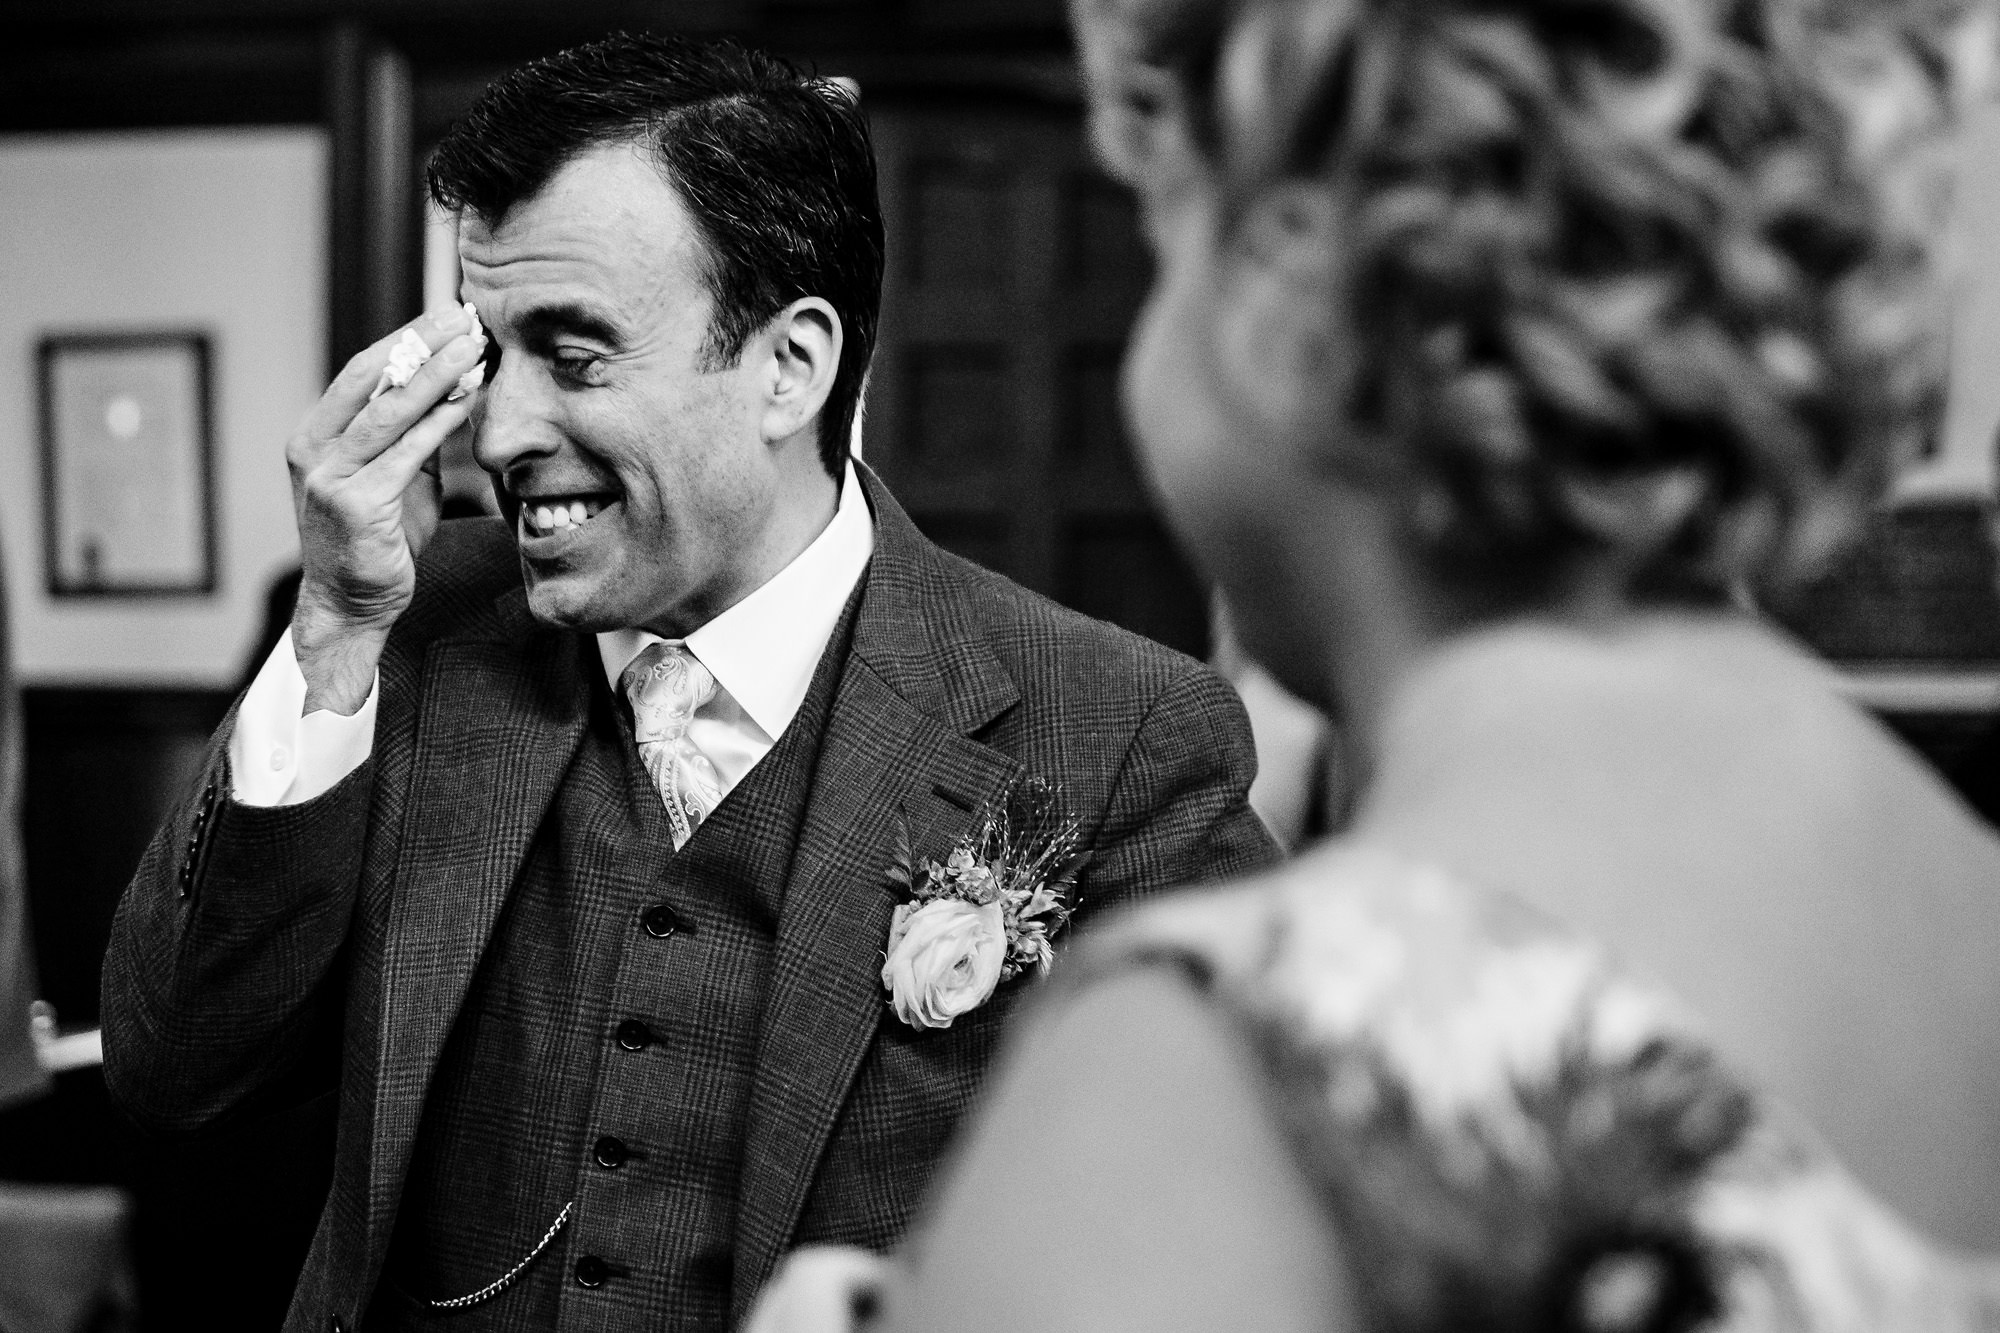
(606,1050)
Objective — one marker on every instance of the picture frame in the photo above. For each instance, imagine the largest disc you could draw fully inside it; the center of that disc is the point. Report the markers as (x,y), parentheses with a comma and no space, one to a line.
(128,464)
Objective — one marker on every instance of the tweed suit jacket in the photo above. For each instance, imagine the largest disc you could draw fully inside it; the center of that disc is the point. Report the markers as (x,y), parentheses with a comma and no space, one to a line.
(261,955)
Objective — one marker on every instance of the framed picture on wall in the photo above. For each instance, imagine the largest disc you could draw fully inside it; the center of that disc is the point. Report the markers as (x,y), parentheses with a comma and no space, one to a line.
(128,465)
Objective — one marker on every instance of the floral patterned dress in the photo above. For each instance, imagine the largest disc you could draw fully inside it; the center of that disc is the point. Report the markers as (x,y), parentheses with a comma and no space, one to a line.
(1509,1132)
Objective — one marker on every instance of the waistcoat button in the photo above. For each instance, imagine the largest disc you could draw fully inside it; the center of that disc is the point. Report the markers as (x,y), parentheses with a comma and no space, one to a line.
(634,1035)
(661,921)
(610,1153)
(591,1271)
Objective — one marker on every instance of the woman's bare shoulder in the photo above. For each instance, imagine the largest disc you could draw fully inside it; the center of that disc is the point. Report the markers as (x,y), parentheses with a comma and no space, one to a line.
(1128,1172)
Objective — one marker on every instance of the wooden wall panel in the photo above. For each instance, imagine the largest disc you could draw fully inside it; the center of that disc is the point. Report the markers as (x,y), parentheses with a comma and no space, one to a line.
(1015,270)
(1919,589)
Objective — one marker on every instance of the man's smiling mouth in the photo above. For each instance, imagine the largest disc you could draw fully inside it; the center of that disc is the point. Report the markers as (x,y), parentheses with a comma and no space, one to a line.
(549,515)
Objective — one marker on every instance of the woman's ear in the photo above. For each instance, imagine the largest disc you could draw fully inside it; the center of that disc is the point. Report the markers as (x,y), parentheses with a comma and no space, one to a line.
(1278,338)
(804,341)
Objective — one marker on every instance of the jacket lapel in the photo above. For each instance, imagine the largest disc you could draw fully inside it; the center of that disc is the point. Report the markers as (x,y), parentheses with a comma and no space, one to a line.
(916,684)
(501,719)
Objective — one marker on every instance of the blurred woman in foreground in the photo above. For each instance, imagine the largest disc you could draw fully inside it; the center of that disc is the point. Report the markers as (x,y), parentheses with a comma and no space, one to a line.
(1496,345)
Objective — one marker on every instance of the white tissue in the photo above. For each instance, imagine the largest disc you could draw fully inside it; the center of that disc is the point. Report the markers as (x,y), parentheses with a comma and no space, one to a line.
(409,355)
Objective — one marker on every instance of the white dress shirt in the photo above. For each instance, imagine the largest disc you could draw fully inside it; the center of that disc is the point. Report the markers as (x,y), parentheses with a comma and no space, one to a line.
(762,652)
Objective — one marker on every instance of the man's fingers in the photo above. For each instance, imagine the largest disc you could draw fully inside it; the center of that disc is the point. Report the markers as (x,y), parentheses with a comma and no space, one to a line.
(822,1289)
(369,493)
(356,499)
(348,393)
(422,505)
(382,422)
(397,466)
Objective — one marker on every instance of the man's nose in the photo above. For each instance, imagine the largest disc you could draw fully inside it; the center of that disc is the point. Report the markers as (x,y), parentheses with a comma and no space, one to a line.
(513,422)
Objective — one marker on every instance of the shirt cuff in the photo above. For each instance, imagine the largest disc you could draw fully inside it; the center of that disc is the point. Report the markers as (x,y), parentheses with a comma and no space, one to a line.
(281,755)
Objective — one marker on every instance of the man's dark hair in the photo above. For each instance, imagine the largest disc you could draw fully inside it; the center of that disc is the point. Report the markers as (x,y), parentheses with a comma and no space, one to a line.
(775,166)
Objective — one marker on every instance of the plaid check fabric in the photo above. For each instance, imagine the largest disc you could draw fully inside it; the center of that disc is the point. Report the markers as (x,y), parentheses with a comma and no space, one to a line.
(666,684)
(576,976)
(336,945)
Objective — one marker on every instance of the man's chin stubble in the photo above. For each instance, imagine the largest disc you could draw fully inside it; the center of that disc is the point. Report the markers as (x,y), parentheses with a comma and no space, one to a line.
(553,610)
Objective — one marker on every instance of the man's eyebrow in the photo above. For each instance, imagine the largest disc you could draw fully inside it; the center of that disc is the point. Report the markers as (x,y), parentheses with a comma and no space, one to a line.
(549,321)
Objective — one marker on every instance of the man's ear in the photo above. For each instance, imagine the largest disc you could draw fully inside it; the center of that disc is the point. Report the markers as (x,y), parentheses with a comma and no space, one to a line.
(1280,335)
(804,341)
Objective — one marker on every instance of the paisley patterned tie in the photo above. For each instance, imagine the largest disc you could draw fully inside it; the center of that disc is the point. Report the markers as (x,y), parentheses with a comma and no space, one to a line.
(666,684)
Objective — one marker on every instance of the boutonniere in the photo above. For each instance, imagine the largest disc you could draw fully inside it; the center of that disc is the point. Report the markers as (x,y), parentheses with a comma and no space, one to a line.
(987,912)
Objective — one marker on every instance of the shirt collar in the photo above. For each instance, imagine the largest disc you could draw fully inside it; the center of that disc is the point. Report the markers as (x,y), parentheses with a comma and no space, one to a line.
(764,649)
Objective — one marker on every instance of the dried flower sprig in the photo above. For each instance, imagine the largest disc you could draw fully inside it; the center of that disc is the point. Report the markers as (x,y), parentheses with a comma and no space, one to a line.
(986,913)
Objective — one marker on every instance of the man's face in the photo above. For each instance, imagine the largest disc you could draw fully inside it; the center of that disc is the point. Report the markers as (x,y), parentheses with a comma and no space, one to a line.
(633,469)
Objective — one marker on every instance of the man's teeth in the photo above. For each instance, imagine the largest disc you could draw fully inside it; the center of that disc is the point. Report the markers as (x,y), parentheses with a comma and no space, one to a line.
(546,518)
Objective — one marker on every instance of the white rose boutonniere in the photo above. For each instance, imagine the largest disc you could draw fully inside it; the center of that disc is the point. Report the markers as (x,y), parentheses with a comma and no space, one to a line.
(986,913)
(944,959)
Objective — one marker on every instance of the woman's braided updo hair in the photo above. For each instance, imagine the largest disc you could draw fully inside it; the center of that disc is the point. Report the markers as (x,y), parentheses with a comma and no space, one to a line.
(1657,278)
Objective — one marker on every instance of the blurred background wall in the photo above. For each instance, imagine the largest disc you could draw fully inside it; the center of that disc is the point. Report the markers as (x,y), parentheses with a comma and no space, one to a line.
(1965,463)
(1912,613)
(222,230)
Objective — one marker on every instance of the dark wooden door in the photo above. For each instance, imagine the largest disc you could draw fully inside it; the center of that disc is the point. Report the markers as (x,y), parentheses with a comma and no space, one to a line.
(1015,270)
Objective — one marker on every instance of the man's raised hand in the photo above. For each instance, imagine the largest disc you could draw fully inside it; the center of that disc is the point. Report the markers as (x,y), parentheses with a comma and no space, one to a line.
(367,504)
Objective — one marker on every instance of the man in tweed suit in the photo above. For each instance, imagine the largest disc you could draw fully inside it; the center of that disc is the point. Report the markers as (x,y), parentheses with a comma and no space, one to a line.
(563,847)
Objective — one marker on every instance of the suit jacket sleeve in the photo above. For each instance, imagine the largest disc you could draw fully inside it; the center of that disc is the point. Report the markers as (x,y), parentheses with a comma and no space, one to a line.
(1180,810)
(222,972)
